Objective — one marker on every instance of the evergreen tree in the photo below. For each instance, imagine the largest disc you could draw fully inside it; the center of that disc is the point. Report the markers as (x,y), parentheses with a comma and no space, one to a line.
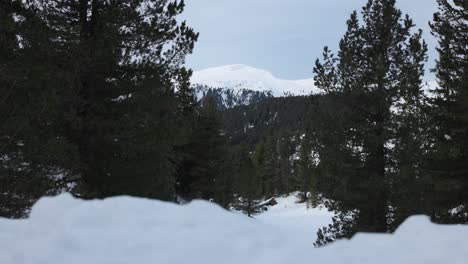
(307,169)
(269,168)
(247,185)
(90,90)
(123,106)
(304,169)
(36,158)
(187,100)
(411,138)
(367,79)
(284,151)
(202,171)
(261,168)
(448,165)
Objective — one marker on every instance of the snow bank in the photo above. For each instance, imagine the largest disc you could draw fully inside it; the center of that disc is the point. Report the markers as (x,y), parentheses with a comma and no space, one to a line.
(129,230)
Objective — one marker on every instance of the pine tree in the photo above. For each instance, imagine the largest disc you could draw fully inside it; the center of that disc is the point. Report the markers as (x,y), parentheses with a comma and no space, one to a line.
(284,152)
(91,91)
(201,174)
(411,139)
(269,169)
(33,85)
(304,169)
(187,113)
(366,79)
(448,165)
(123,108)
(186,97)
(261,169)
(307,170)
(247,184)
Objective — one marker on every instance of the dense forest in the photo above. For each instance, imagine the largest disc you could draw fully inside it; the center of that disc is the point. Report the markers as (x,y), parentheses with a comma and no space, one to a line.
(96,101)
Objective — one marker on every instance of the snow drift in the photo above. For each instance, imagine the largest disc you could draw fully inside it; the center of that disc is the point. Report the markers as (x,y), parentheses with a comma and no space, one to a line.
(130,230)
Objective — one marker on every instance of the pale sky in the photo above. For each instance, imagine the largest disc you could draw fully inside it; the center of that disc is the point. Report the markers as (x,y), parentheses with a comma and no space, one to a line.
(282,36)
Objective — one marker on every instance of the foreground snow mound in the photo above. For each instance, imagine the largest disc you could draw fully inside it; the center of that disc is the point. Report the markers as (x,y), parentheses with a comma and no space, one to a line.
(129,230)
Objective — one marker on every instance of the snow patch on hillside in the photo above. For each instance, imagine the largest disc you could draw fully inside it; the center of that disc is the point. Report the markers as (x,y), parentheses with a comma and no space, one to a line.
(243,77)
(131,230)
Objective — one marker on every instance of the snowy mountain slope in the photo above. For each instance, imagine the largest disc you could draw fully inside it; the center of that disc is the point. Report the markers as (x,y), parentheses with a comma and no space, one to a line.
(238,84)
(131,230)
(242,77)
(226,98)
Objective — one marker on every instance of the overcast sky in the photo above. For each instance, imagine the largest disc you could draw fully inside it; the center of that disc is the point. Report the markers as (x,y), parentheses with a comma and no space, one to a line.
(282,36)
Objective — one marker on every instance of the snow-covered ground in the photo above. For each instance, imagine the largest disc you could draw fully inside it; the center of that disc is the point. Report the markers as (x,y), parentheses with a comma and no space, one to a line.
(125,230)
(295,219)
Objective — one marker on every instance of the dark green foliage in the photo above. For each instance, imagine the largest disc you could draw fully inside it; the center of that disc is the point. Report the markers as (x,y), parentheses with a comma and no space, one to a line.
(250,124)
(307,170)
(275,131)
(247,185)
(202,172)
(379,65)
(448,165)
(35,157)
(125,105)
(185,94)
(88,91)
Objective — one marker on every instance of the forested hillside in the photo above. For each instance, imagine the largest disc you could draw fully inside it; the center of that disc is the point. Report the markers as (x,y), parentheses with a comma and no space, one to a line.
(226,98)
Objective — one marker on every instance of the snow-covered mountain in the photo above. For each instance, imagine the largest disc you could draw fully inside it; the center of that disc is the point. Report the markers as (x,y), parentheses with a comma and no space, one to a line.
(238,84)
(240,76)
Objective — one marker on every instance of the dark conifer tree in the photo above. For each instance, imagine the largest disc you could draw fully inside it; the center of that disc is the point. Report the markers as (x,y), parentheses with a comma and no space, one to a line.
(259,163)
(269,170)
(304,168)
(36,158)
(367,79)
(247,185)
(91,91)
(411,140)
(185,94)
(448,165)
(201,174)
(307,170)
(127,56)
